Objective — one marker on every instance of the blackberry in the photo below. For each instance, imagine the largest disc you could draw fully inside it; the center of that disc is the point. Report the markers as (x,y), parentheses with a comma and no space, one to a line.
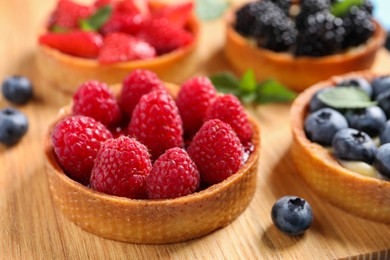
(323,34)
(284,5)
(309,7)
(246,16)
(368,6)
(358,26)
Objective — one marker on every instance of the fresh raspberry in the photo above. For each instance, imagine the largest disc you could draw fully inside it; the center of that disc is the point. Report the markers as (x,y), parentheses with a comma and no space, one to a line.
(135,85)
(76,141)
(176,13)
(194,98)
(121,167)
(68,14)
(164,35)
(156,123)
(120,47)
(216,150)
(77,43)
(123,22)
(228,109)
(96,100)
(173,175)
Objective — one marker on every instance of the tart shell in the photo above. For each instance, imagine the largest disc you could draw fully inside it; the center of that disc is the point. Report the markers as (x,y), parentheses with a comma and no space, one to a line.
(298,73)
(362,196)
(56,67)
(152,221)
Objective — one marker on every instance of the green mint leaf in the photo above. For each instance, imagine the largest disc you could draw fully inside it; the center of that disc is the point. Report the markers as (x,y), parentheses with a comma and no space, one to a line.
(346,97)
(248,98)
(248,82)
(340,8)
(58,29)
(226,82)
(97,20)
(210,9)
(273,91)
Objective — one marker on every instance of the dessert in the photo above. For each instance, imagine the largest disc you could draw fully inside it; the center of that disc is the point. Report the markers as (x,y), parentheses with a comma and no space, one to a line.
(339,143)
(149,181)
(13,126)
(300,48)
(106,40)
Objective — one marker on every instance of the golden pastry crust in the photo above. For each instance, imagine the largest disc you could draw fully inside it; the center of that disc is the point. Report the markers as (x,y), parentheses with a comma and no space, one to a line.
(67,72)
(297,73)
(152,221)
(366,197)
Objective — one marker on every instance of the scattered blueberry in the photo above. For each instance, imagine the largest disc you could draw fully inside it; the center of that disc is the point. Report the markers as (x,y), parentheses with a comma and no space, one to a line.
(380,85)
(382,161)
(322,125)
(354,145)
(383,100)
(292,215)
(17,89)
(316,103)
(370,120)
(385,135)
(359,83)
(13,126)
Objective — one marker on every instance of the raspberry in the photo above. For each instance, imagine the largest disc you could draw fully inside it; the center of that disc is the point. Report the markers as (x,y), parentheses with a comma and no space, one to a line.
(217,151)
(121,47)
(96,100)
(121,167)
(164,35)
(173,175)
(68,14)
(76,141)
(135,85)
(228,109)
(123,22)
(156,123)
(194,98)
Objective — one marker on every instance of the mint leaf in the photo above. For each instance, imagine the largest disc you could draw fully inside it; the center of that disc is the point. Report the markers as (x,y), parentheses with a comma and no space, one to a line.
(248,82)
(226,82)
(97,20)
(346,97)
(273,91)
(342,7)
(210,9)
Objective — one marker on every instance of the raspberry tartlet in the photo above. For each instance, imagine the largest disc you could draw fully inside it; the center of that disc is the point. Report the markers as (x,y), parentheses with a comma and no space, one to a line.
(301,48)
(137,191)
(134,34)
(337,151)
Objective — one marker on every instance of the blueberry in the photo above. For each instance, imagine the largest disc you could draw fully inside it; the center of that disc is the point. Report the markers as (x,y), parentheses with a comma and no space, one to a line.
(316,103)
(13,126)
(292,215)
(354,145)
(322,125)
(382,160)
(385,135)
(370,120)
(380,85)
(359,83)
(17,89)
(383,100)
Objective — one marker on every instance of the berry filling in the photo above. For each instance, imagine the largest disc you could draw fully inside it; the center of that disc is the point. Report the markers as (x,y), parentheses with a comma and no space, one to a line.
(118,31)
(137,144)
(352,122)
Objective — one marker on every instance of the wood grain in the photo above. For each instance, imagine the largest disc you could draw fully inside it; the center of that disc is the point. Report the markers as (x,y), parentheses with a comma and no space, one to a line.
(30,228)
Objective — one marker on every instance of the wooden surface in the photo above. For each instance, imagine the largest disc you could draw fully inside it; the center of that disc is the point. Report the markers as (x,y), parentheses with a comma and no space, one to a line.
(30,228)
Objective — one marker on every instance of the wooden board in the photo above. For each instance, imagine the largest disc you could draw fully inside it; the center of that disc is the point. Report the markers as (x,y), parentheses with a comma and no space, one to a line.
(30,228)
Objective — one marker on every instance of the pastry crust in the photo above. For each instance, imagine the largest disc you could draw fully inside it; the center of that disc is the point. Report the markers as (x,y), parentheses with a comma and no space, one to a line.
(66,72)
(152,221)
(302,72)
(362,196)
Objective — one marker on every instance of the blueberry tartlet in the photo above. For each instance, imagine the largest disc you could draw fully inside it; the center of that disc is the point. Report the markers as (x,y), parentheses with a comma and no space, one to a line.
(302,42)
(341,131)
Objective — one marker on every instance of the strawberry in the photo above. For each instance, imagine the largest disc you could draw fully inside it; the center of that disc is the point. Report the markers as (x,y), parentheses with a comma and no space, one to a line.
(77,43)
(120,47)
(101,3)
(68,13)
(134,6)
(164,35)
(123,22)
(178,14)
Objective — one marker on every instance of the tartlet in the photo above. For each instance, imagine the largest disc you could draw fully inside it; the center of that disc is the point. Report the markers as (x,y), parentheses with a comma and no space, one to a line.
(55,66)
(362,196)
(298,73)
(152,221)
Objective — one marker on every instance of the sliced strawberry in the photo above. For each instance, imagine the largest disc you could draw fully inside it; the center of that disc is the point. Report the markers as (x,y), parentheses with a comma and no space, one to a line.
(164,36)
(120,47)
(123,22)
(177,14)
(134,6)
(77,43)
(68,14)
